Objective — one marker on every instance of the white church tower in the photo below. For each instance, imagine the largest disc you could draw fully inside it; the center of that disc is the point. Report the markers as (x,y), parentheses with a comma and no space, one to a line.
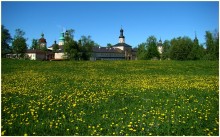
(121,37)
(160,46)
(61,39)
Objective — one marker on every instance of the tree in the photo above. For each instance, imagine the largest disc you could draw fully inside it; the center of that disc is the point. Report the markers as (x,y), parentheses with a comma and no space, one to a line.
(71,48)
(109,45)
(180,48)
(5,40)
(212,45)
(152,51)
(70,33)
(86,44)
(166,50)
(35,44)
(216,43)
(19,45)
(194,53)
(141,51)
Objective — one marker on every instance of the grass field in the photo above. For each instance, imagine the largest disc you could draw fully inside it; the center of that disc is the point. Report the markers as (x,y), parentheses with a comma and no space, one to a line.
(110,98)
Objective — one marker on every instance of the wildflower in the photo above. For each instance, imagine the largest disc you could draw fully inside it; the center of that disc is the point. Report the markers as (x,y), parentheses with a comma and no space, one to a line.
(3,132)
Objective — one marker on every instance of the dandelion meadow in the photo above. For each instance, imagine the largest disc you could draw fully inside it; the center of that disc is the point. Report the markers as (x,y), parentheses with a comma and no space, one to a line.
(110,98)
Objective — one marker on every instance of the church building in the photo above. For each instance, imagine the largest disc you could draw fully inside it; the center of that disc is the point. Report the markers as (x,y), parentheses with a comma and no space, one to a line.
(40,54)
(119,51)
(59,53)
(160,46)
(42,41)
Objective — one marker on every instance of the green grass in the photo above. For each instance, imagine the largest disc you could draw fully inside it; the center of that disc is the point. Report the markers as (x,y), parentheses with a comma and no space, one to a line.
(110,98)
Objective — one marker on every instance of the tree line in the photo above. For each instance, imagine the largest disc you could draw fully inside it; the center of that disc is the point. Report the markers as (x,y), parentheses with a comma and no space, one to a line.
(74,50)
(181,48)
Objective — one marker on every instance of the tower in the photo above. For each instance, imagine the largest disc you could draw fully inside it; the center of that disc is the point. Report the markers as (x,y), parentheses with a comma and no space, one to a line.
(42,41)
(61,39)
(160,46)
(121,37)
(196,40)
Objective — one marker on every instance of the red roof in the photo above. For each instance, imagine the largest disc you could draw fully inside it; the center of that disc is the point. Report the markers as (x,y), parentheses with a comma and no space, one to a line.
(42,40)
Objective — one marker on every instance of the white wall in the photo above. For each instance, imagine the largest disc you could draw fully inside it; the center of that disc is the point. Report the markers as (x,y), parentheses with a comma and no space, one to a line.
(119,47)
(160,49)
(59,56)
(32,56)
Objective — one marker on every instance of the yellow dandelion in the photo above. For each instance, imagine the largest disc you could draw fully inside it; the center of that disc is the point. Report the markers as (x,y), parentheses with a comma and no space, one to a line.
(3,132)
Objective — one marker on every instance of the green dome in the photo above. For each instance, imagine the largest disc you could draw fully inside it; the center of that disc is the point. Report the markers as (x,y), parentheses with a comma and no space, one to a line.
(61,36)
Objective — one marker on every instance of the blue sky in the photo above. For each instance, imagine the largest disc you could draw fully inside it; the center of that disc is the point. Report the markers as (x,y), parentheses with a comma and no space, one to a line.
(103,20)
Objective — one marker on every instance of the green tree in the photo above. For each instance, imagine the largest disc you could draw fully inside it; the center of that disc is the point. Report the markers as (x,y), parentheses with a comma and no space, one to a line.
(71,49)
(152,51)
(109,45)
(166,50)
(35,44)
(19,45)
(141,51)
(70,33)
(216,43)
(5,40)
(86,44)
(210,46)
(180,48)
(195,52)
(70,46)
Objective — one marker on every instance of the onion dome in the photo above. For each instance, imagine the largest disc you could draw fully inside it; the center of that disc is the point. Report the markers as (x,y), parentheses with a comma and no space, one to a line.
(61,36)
(159,43)
(42,39)
(55,44)
(121,33)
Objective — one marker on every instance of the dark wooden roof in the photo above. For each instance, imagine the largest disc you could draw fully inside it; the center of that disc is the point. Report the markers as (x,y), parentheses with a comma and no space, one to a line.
(38,51)
(121,44)
(106,50)
(35,51)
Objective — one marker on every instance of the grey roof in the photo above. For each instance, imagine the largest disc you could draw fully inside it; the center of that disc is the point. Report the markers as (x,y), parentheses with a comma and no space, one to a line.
(38,51)
(106,50)
(159,44)
(121,44)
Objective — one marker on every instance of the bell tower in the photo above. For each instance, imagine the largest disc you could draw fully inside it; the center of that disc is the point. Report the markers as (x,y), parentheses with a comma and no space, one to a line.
(61,39)
(121,37)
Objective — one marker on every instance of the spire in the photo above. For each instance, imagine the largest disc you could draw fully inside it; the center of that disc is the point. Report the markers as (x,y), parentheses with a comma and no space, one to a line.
(121,33)
(195,35)
(42,34)
(195,40)
(121,37)
(160,41)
